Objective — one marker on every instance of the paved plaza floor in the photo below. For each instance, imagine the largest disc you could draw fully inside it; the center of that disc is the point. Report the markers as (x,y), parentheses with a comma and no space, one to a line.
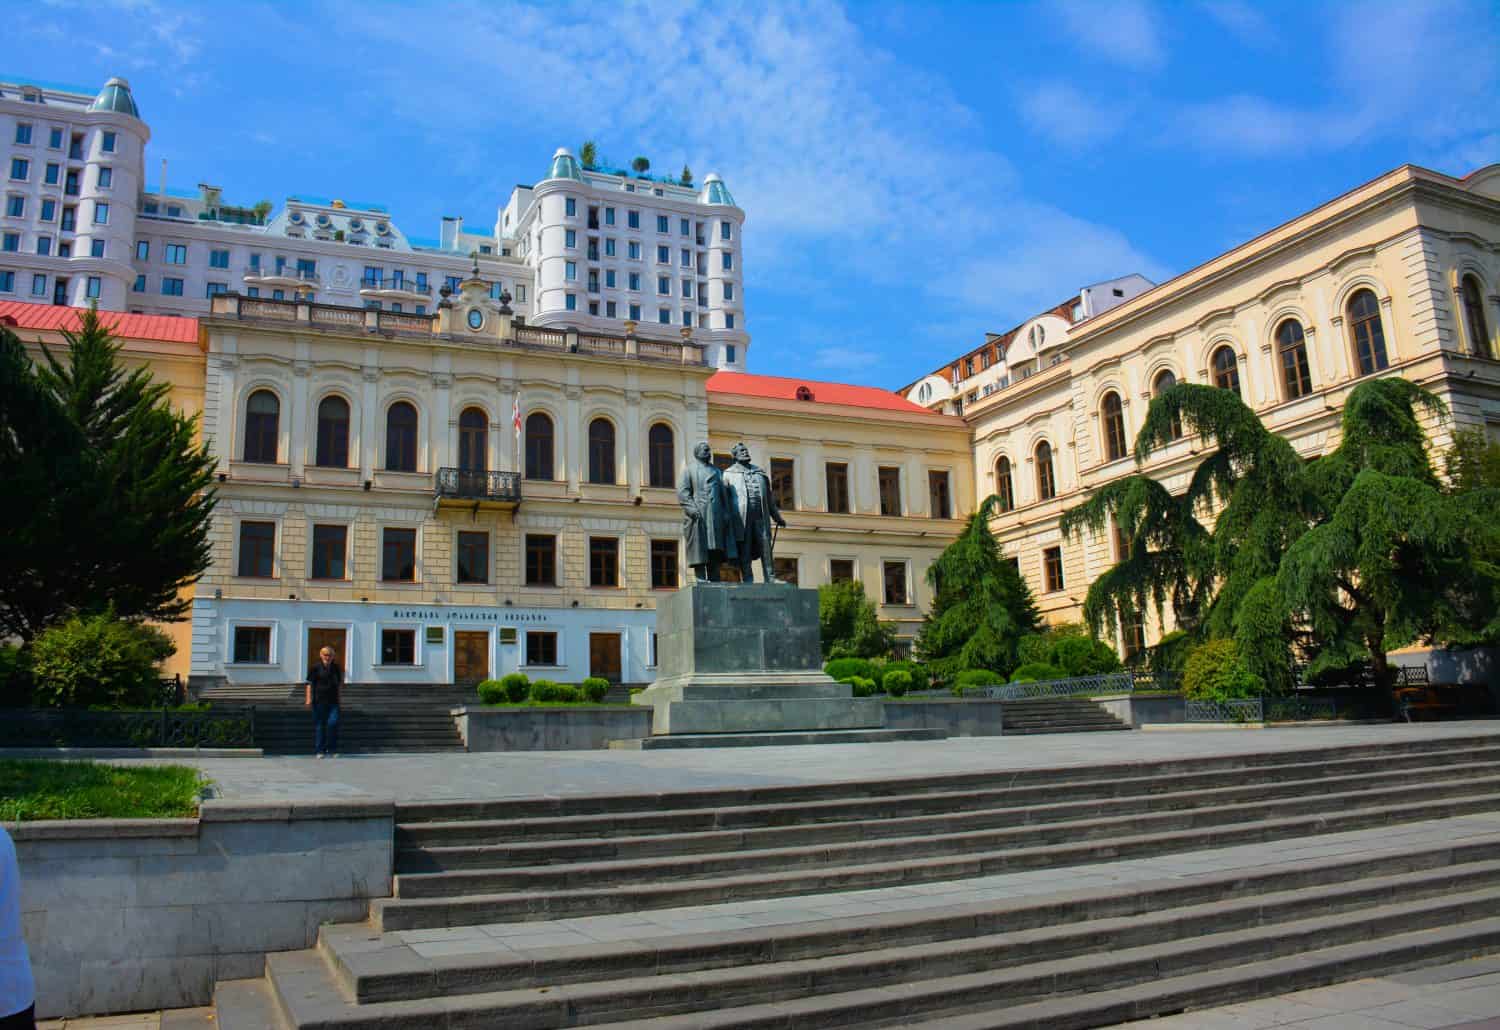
(570,773)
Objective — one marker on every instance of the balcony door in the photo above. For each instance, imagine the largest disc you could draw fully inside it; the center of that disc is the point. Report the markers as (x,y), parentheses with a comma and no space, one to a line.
(473,428)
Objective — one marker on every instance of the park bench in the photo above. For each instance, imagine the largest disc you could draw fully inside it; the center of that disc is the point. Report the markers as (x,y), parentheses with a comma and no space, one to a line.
(1417,696)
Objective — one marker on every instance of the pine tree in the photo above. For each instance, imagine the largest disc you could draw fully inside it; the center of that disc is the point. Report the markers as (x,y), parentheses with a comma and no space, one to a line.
(981,607)
(132,498)
(687,176)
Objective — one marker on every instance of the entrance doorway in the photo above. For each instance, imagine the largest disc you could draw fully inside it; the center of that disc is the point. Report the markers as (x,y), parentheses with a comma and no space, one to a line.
(471,656)
(319,637)
(604,656)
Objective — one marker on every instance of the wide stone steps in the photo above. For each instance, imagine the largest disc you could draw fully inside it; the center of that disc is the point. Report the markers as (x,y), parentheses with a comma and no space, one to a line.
(482,870)
(778,738)
(290,730)
(1423,905)
(1056,715)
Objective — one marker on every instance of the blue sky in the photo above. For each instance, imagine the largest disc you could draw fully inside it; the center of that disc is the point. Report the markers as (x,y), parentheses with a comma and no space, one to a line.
(913,174)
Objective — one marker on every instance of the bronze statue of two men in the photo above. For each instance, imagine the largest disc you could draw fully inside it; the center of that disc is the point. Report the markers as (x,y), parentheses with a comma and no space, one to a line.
(727,516)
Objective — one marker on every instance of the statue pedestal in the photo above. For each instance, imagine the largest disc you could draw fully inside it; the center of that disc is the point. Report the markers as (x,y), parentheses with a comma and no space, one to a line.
(746,658)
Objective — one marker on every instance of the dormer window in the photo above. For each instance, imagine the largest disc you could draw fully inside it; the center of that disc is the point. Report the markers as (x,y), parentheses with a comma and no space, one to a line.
(804,394)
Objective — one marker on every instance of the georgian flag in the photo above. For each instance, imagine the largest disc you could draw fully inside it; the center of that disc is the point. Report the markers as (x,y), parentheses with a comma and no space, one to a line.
(515,415)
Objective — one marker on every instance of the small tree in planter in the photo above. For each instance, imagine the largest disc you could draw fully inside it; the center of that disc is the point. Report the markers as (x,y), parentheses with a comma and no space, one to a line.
(687,176)
(588,154)
(641,165)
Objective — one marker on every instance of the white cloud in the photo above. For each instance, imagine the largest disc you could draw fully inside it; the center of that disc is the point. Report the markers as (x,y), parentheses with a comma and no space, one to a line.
(1245,22)
(1122,31)
(845,359)
(1070,118)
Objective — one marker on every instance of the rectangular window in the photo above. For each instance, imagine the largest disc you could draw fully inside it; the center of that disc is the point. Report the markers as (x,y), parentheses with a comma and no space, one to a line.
(687,318)
(890,490)
(218,259)
(604,561)
(70,183)
(171,287)
(662,224)
(633,250)
(92,287)
(44,245)
(635,280)
(107,144)
(570,238)
(15,206)
(23,132)
(398,555)
(895,581)
(106,178)
(215,289)
(252,645)
(687,288)
(727,261)
(664,255)
(330,545)
(841,570)
(939,499)
(7,282)
(541,560)
(101,213)
(142,250)
(38,285)
(570,271)
(257,549)
(20,168)
(1052,568)
(96,248)
(398,647)
(663,286)
(729,320)
(664,316)
(541,647)
(783,483)
(724,230)
(52,174)
(49,210)
(837,475)
(785,569)
(11,242)
(609,278)
(635,312)
(609,247)
(685,227)
(175,254)
(609,309)
(571,302)
(473,557)
(55,138)
(664,565)
(685,259)
(253,292)
(69,219)
(609,216)
(570,207)
(140,285)
(633,219)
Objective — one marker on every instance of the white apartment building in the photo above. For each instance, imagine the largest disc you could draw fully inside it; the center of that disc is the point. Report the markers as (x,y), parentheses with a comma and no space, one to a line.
(584,248)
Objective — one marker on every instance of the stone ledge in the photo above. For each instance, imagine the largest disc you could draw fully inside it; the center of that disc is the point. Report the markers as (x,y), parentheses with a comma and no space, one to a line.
(131,752)
(100,829)
(277,811)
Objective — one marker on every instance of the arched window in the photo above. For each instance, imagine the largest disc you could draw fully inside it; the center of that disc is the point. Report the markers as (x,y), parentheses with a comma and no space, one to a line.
(1165,380)
(1003,488)
(1479,330)
(1367,332)
(1112,412)
(333,433)
(1292,346)
(601,451)
(661,456)
(1046,483)
(401,438)
(538,446)
(1226,369)
(262,427)
(473,433)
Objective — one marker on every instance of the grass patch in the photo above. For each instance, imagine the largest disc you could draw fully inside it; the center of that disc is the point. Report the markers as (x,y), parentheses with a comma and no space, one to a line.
(47,789)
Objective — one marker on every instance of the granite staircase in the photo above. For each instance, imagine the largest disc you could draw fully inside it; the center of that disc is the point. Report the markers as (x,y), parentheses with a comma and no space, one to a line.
(902,909)
(373,718)
(1056,715)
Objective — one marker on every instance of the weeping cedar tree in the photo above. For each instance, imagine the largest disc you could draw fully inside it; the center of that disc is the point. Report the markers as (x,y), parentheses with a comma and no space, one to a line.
(981,607)
(1341,559)
(110,496)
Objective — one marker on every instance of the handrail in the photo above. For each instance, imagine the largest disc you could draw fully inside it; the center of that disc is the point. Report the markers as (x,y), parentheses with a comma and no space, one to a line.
(479,484)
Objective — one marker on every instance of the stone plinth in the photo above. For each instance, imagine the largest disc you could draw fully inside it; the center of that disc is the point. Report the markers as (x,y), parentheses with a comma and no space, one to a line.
(746,657)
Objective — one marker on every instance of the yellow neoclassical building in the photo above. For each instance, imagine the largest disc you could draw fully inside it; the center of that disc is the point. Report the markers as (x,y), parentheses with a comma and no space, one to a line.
(1399,276)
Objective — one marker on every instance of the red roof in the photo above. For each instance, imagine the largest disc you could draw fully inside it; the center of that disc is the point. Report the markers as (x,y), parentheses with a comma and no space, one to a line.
(56,318)
(743,384)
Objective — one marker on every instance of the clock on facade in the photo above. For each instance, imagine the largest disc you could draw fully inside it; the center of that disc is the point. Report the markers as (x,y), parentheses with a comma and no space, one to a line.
(476,318)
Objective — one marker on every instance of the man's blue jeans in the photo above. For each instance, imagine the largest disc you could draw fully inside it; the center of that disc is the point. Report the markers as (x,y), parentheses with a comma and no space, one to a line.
(325,728)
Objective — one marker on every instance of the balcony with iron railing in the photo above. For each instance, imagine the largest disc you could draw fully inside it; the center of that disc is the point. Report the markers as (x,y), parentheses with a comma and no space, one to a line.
(285,275)
(478,487)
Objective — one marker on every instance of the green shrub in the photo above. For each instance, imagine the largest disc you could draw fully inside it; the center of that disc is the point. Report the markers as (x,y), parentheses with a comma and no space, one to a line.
(545,691)
(517,686)
(862,686)
(978,678)
(569,694)
(897,682)
(1033,648)
(492,692)
(99,660)
(1216,671)
(15,677)
(920,679)
(1083,656)
(594,688)
(1037,672)
(843,668)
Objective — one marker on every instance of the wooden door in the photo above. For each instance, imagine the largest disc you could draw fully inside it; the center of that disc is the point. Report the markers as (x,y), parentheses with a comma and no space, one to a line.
(471,656)
(604,656)
(319,637)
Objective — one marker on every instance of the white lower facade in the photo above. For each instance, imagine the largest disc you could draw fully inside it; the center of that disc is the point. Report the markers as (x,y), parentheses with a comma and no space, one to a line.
(252,641)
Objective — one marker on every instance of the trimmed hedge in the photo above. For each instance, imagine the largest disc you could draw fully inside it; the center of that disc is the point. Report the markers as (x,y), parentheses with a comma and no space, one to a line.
(920,677)
(1038,672)
(594,688)
(978,678)
(545,691)
(517,687)
(843,669)
(492,692)
(1216,671)
(897,682)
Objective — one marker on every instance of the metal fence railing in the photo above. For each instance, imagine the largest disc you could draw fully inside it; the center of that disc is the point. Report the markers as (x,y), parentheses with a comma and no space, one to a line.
(1114,683)
(1262,709)
(145,728)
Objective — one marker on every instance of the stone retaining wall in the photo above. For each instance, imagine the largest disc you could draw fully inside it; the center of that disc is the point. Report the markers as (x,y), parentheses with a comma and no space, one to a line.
(574,728)
(122,915)
(1145,709)
(961,717)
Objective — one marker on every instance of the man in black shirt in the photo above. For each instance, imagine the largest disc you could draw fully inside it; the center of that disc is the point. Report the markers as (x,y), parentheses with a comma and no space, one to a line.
(323,681)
